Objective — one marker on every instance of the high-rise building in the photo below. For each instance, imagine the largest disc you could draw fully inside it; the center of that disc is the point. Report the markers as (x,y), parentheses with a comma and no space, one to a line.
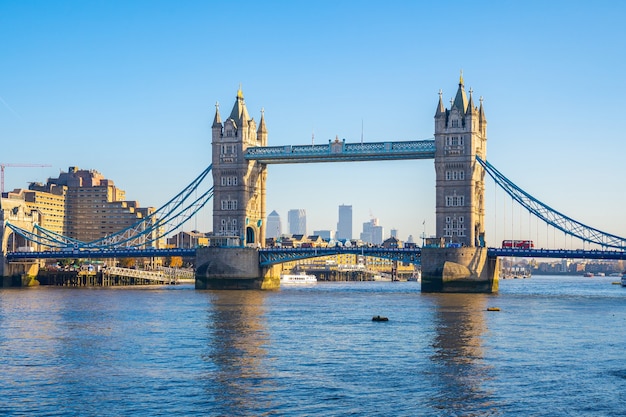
(273,228)
(83,205)
(344,225)
(297,221)
(48,200)
(372,232)
(326,235)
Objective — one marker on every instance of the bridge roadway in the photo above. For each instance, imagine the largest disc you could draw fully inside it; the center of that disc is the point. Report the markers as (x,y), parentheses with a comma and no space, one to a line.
(101,253)
(271,256)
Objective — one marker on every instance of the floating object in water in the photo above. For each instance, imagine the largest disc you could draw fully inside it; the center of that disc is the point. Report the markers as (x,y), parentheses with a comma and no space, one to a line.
(379,318)
(493,308)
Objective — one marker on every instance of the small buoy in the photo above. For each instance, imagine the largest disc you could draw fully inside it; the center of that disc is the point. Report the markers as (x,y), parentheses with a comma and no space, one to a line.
(493,308)
(379,318)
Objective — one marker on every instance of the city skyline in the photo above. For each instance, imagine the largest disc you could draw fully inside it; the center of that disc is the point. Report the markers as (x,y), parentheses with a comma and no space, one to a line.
(104,87)
(274,221)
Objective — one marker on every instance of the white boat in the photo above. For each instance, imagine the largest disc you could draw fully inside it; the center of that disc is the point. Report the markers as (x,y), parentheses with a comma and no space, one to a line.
(298,279)
(415,277)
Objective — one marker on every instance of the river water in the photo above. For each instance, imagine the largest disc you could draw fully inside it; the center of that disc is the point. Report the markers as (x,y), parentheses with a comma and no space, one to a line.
(557,347)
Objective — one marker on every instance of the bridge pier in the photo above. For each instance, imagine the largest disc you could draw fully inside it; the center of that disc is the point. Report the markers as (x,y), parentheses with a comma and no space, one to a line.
(234,269)
(461,270)
(18,274)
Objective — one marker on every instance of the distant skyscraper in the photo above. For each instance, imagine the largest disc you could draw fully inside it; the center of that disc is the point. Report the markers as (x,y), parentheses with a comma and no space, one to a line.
(326,235)
(273,228)
(344,225)
(394,233)
(297,221)
(372,232)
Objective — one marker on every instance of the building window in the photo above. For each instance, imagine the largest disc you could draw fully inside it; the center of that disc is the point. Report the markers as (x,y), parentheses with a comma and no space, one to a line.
(229,181)
(229,204)
(455,175)
(455,201)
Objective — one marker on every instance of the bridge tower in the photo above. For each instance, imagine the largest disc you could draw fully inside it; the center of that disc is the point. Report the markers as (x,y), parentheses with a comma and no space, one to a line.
(460,136)
(23,273)
(238,184)
(238,206)
(457,260)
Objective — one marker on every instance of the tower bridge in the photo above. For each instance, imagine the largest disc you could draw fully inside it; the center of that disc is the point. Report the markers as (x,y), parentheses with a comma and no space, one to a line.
(241,155)
(456,261)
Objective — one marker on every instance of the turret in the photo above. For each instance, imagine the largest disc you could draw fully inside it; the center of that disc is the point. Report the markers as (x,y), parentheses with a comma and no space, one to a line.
(261,133)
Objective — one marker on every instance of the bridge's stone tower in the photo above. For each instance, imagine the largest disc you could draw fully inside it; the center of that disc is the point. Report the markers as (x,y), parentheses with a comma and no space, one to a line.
(460,136)
(18,273)
(238,184)
(238,206)
(458,261)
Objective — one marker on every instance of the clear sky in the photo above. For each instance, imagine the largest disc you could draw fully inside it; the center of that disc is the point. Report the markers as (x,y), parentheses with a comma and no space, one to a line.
(128,88)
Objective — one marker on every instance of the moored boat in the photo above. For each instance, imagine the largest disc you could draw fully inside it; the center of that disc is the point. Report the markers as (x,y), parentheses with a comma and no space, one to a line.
(624,280)
(415,277)
(298,279)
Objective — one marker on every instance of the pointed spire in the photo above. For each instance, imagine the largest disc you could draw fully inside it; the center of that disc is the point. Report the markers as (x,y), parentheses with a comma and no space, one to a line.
(440,107)
(481,112)
(460,101)
(262,128)
(217,120)
(240,113)
(470,105)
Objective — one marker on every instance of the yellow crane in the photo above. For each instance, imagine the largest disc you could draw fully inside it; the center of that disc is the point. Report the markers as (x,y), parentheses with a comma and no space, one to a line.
(2,166)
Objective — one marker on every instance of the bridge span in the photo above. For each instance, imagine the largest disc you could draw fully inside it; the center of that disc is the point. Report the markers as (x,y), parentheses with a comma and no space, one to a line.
(274,256)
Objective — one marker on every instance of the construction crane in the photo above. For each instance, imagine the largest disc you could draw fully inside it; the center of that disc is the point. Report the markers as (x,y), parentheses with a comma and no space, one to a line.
(2,166)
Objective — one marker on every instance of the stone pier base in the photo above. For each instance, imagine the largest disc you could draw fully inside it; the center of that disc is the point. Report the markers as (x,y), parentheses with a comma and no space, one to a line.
(460,270)
(233,269)
(18,274)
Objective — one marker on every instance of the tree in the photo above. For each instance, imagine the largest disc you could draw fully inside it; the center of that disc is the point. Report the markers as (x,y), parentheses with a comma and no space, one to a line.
(127,262)
(176,261)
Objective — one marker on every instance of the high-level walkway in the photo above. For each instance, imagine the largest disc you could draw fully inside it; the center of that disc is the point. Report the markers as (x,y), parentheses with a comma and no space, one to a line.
(340,151)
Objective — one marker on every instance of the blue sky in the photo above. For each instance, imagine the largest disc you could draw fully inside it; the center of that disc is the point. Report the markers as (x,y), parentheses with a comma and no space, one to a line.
(129,88)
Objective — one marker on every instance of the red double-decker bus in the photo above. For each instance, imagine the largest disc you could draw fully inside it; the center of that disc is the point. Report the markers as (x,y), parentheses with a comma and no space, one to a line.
(518,244)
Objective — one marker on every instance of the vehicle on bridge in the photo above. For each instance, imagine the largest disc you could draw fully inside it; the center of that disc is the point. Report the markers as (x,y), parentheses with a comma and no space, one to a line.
(518,244)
